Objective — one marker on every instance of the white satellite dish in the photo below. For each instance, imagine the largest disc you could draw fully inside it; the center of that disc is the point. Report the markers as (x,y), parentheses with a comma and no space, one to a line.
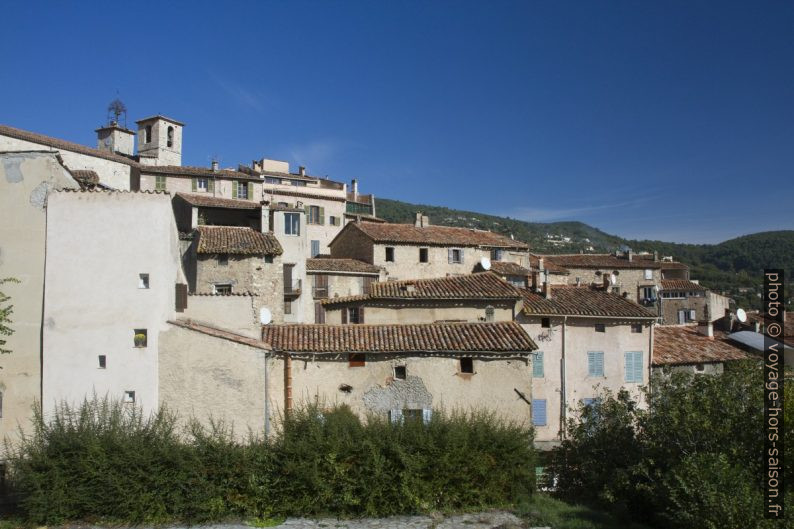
(265,316)
(612,279)
(741,315)
(485,263)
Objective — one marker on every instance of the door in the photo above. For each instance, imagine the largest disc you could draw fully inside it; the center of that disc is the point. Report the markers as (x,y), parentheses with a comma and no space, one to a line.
(681,317)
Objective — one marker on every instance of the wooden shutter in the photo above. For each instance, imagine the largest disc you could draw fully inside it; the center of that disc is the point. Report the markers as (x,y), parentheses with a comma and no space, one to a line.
(210,185)
(628,365)
(638,367)
(319,312)
(250,191)
(539,412)
(461,255)
(427,415)
(449,255)
(344,314)
(367,282)
(193,184)
(288,277)
(234,188)
(361,314)
(537,366)
(181,297)
(321,220)
(595,363)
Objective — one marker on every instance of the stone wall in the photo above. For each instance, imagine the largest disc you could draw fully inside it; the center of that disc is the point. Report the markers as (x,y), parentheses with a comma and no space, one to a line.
(670,308)
(354,245)
(629,280)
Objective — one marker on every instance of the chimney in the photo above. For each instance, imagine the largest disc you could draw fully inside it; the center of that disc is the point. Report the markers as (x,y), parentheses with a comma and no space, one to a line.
(214,166)
(546,286)
(540,264)
(757,326)
(302,171)
(418,221)
(630,254)
(425,221)
(656,256)
(706,328)
(354,185)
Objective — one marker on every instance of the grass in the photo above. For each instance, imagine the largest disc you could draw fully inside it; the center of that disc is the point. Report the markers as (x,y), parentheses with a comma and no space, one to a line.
(543,510)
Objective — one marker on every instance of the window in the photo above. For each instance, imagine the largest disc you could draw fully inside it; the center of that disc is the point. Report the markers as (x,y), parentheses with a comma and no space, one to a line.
(129,397)
(423,255)
(496,254)
(319,312)
(269,259)
(292,224)
(647,293)
(314,215)
(354,315)
(143,280)
(545,323)
(202,184)
(272,180)
(148,134)
(700,368)
(139,337)
(589,402)
(223,259)
(242,189)
(537,364)
(455,256)
(538,412)
(636,328)
(222,288)
(320,287)
(287,306)
(159,183)
(315,248)
(356,359)
(595,363)
(398,416)
(170,137)
(600,327)
(102,362)
(389,254)
(467,365)
(648,273)
(400,372)
(633,366)
(489,314)
(333,220)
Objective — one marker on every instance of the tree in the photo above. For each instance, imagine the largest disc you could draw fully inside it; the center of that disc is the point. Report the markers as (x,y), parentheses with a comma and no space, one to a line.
(6,309)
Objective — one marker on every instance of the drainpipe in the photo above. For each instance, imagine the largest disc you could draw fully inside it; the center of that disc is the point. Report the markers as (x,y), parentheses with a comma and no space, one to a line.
(650,356)
(287,383)
(563,396)
(267,390)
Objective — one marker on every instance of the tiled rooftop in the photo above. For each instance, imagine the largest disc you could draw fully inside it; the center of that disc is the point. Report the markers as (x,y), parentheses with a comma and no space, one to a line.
(548,264)
(500,337)
(388,232)
(507,268)
(208,201)
(608,260)
(236,240)
(680,284)
(351,266)
(190,171)
(220,333)
(683,344)
(582,301)
(64,145)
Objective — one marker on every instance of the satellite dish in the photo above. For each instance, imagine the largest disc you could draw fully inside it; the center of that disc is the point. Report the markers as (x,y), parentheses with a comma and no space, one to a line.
(741,315)
(612,279)
(485,263)
(265,316)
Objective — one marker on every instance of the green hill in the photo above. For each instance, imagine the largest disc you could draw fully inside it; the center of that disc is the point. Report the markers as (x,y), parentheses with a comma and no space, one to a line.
(734,267)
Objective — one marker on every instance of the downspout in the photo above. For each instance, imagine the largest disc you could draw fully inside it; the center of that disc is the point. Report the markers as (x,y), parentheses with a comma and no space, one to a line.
(563,396)
(267,391)
(287,383)
(650,356)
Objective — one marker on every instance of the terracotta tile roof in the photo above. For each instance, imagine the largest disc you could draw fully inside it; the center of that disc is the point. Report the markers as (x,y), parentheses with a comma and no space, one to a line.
(582,301)
(680,284)
(236,240)
(328,264)
(506,268)
(607,260)
(220,333)
(673,265)
(189,172)
(499,337)
(160,116)
(552,267)
(679,344)
(89,178)
(208,201)
(763,319)
(364,218)
(433,235)
(479,286)
(64,145)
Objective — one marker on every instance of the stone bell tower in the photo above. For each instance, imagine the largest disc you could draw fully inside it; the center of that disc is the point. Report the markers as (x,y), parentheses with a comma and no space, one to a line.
(160,141)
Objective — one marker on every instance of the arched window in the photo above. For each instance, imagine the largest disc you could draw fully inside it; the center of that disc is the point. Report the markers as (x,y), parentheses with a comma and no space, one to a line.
(148,137)
(170,136)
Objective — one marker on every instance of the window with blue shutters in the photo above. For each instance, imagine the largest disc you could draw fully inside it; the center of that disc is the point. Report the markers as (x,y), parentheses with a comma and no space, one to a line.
(589,402)
(538,412)
(633,366)
(315,248)
(537,364)
(595,363)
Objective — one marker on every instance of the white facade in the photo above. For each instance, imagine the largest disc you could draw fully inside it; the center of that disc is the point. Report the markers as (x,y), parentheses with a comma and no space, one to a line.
(98,245)
(295,246)
(160,141)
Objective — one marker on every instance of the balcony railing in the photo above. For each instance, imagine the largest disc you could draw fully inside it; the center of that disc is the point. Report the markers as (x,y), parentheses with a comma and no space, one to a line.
(293,289)
(319,292)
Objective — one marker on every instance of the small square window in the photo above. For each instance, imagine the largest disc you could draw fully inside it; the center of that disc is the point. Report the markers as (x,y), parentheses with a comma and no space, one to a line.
(489,314)
(269,259)
(400,372)
(357,359)
(102,361)
(700,368)
(423,255)
(353,315)
(545,323)
(139,337)
(648,273)
(202,184)
(389,254)
(143,280)
(600,327)
(496,254)
(129,397)
(467,365)
(223,259)
(636,328)
(222,289)
(333,220)
(456,256)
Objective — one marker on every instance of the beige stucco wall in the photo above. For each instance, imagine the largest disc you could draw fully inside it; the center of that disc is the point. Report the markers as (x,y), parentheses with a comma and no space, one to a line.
(234,313)
(181,184)
(388,312)
(25,182)
(295,252)
(93,302)
(717,304)
(205,377)
(112,174)
(670,308)
(580,337)
(629,280)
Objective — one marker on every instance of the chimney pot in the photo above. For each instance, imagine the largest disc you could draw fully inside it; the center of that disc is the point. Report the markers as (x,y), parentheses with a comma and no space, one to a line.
(540,264)
(546,286)
(302,170)
(425,221)
(418,221)
(656,255)
(214,166)
(706,328)
(630,254)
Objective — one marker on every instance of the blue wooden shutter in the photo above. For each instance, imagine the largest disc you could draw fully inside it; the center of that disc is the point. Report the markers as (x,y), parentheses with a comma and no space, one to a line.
(234,188)
(638,366)
(396,416)
(539,412)
(634,366)
(628,365)
(595,363)
(537,366)
(427,415)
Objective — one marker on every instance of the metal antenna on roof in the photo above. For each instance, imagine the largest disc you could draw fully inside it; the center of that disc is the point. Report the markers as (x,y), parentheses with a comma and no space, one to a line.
(116,109)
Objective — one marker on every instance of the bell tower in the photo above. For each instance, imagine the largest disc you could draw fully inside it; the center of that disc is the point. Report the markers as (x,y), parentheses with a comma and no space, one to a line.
(160,141)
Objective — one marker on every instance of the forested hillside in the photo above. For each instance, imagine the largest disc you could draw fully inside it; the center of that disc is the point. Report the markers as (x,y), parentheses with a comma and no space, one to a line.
(734,267)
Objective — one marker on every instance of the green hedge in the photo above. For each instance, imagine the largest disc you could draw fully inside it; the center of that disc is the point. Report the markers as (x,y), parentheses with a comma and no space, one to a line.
(105,461)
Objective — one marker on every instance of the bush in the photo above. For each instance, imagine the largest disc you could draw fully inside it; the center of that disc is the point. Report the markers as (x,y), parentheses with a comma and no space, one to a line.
(106,461)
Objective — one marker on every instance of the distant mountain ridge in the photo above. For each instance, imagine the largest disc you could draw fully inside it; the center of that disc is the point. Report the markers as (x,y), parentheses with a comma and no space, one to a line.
(734,267)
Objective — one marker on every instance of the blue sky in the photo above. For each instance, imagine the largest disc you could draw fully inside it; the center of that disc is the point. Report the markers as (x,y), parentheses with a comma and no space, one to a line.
(668,120)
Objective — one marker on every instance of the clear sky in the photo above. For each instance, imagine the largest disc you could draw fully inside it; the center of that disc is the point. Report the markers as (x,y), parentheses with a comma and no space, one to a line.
(669,120)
